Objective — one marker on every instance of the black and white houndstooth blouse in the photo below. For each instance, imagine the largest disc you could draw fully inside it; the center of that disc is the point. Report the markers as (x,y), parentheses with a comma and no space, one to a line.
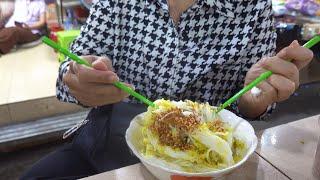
(203,58)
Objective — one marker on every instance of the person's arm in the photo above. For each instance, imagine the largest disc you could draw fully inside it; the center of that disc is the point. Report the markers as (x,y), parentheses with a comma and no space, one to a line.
(6,12)
(285,79)
(279,86)
(261,43)
(40,24)
(96,38)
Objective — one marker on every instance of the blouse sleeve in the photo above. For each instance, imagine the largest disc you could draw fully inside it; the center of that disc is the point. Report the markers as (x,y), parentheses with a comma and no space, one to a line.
(262,43)
(91,41)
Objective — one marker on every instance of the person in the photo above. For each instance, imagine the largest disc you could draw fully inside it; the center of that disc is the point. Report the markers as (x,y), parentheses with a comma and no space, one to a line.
(6,11)
(201,50)
(24,26)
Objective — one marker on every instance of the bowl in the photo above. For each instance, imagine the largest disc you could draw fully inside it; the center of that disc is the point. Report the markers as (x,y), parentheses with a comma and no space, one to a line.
(242,130)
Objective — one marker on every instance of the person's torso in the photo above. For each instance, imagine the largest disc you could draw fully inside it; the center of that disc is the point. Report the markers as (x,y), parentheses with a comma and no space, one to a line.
(199,59)
(27,11)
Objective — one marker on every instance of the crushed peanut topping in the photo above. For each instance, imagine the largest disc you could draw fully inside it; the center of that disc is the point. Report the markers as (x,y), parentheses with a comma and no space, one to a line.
(217,126)
(173,128)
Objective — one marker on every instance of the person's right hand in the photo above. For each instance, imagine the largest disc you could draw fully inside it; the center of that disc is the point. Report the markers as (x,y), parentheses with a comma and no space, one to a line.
(93,86)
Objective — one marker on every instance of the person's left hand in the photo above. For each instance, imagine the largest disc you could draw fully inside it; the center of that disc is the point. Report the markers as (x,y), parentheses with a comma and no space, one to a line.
(279,86)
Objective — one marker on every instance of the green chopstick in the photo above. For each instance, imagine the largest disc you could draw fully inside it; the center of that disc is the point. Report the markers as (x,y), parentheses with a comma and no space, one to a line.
(261,78)
(79,60)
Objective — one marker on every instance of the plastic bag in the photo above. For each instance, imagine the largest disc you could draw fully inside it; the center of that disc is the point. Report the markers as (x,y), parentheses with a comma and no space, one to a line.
(310,7)
(294,4)
(307,7)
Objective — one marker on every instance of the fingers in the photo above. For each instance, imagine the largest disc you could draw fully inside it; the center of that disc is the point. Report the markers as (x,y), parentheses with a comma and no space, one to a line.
(98,63)
(105,90)
(93,86)
(288,62)
(285,79)
(281,67)
(130,85)
(71,81)
(284,86)
(102,64)
(91,94)
(297,54)
(268,90)
(71,67)
(101,71)
(278,88)
(89,75)
(90,58)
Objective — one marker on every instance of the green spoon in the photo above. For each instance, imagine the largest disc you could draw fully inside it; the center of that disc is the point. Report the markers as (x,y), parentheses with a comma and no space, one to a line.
(261,78)
(79,60)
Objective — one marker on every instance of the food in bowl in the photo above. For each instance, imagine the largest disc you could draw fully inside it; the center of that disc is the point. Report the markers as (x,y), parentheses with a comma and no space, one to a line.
(189,137)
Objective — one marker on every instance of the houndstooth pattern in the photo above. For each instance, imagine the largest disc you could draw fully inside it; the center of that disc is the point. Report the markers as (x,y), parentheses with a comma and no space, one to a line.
(204,58)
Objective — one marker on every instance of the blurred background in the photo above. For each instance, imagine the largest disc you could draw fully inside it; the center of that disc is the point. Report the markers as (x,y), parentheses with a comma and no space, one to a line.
(32,121)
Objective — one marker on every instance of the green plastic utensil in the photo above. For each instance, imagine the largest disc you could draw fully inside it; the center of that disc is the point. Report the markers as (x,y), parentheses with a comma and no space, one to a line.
(79,60)
(261,78)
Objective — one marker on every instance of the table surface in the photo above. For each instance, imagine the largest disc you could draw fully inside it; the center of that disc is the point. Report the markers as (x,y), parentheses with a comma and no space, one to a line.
(255,168)
(291,147)
(285,151)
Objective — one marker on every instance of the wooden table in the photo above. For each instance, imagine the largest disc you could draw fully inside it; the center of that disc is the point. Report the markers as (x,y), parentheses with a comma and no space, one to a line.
(284,152)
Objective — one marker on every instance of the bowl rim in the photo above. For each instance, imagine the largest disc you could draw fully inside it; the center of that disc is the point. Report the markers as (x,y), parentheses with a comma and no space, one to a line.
(208,173)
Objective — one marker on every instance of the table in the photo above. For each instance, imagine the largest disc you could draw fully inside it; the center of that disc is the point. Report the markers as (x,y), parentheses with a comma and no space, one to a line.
(291,147)
(255,168)
(284,152)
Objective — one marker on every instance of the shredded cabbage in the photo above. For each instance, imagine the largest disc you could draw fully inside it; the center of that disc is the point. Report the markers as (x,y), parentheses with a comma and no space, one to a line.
(209,145)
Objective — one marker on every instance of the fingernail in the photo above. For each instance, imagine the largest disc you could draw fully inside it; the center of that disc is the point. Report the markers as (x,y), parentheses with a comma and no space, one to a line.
(75,68)
(115,78)
(295,43)
(94,63)
(131,86)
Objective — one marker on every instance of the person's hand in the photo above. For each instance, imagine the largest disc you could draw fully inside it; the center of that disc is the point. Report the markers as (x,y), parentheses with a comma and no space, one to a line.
(279,86)
(93,86)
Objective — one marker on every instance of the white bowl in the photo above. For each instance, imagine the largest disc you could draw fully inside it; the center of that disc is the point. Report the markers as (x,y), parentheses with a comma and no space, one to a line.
(243,130)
